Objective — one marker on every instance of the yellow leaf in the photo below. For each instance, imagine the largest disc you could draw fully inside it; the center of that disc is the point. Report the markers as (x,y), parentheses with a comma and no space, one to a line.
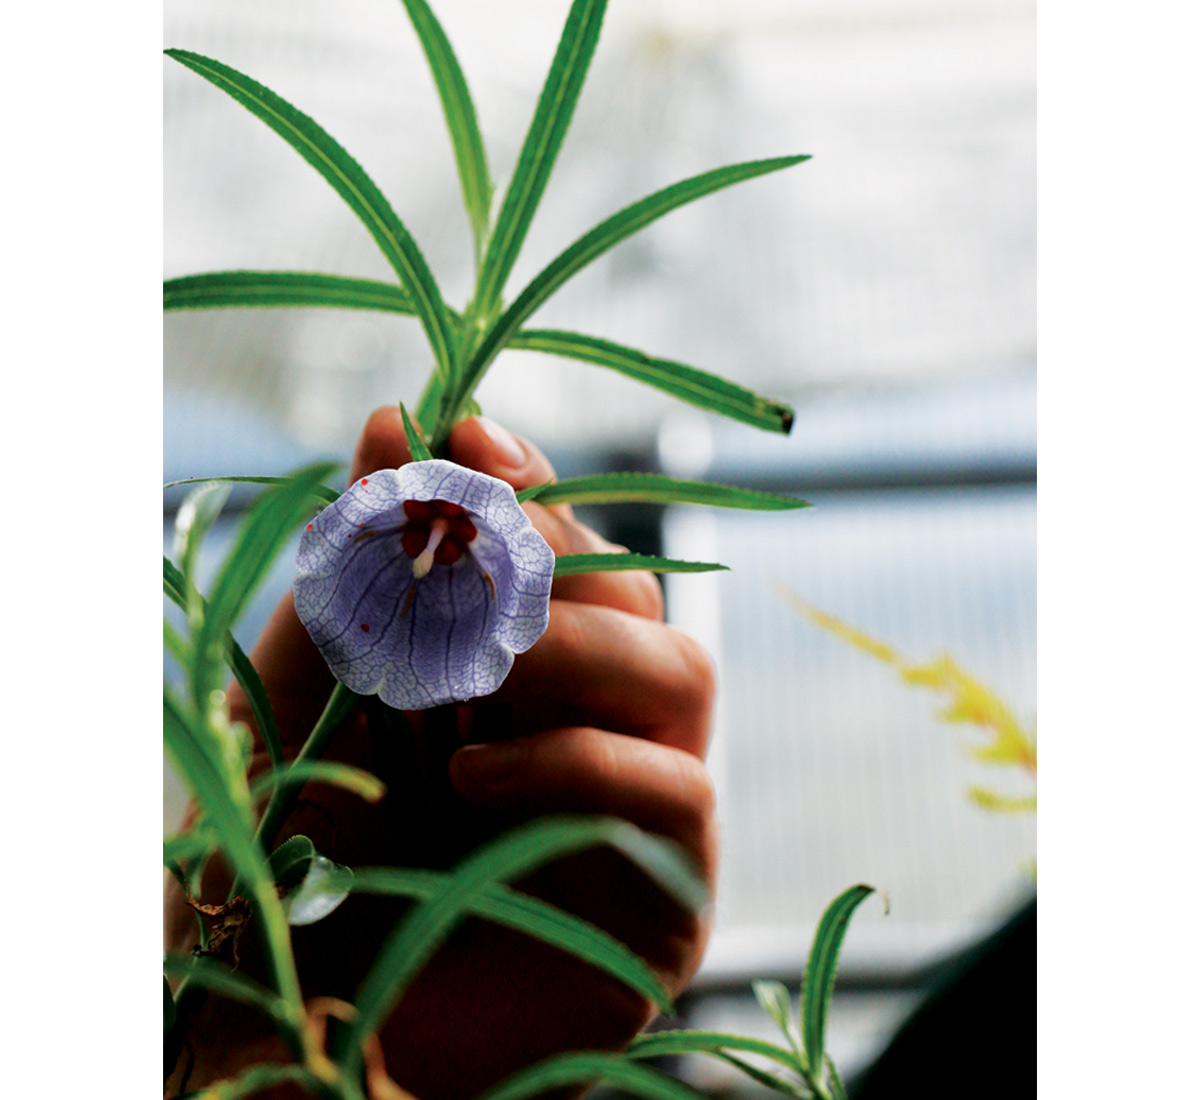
(857,638)
(1004,804)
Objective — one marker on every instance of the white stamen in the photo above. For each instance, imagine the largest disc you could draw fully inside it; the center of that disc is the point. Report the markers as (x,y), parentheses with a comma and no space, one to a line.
(424,561)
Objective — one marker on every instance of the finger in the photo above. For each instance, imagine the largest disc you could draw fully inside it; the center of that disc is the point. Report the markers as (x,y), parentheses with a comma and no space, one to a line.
(596,666)
(483,445)
(583,770)
(382,445)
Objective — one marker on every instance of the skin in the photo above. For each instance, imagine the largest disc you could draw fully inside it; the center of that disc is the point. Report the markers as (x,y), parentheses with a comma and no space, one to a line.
(609,713)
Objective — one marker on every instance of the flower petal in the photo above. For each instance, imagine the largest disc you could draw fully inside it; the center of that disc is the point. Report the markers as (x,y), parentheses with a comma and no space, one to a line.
(447,637)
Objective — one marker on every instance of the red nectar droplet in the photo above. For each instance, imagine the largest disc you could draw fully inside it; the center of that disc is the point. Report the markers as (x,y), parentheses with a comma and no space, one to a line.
(366,628)
(310,527)
(364,481)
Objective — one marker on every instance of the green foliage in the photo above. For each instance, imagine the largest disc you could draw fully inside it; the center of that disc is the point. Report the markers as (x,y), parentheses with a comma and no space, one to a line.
(821,971)
(501,860)
(555,107)
(568,565)
(591,1068)
(346,177)
(417,446)
(459,110)
(528,915)
(624,488)
(271,289)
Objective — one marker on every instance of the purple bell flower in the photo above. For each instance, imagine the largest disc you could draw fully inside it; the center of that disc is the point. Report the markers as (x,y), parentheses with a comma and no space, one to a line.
(420,584)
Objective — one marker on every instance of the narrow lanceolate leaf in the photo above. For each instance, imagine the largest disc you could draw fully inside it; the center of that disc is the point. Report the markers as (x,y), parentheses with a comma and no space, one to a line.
(591,1068)
(821,970)
(546,132)
(531,917)
(769,1080)
(661,1044)
(417,447)
(220,979)
(346,776)
(835,1080)
(322,493)
(774,1000)
(511,856)
(269,289)
(195,517)
(460,118)
(346,177)
(595,243)
(244,672)
(696,387)
(569,565)
(624,488)
(268,525)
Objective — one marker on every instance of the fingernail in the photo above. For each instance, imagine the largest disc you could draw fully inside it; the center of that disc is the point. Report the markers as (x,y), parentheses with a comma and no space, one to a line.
(508,448)
(493,762)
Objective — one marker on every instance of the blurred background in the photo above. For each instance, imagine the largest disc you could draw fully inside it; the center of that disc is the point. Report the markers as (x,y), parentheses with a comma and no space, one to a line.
(886,288)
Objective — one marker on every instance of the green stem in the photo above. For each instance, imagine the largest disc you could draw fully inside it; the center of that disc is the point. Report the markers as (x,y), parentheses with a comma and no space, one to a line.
(283,799)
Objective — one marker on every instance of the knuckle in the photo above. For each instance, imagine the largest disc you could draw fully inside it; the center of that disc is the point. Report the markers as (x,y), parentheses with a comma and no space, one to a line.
(698,674)
(698,796)
(649,596)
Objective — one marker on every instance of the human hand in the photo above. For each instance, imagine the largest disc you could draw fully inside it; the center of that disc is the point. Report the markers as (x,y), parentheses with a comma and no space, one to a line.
(608,713)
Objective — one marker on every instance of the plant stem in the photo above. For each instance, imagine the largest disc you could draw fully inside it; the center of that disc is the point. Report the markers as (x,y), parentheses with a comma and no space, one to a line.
(283,798)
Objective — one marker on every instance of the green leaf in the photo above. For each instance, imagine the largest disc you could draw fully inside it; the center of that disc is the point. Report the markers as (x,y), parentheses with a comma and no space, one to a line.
(197,841)
(546,132)
(218,978)
(283,799)
(244,672)
(661,1044)
(835,1080)
(696,387)
(569,565)
(196,515)
(769,1080)
(204,764)
(322,492)
(346,776)
(589,1068)
(775,1001)
(346,177)
(270,289)
(452,89)
(620,488)
(201,764)
(290,861)
(325,886)
(533,492)
(168,1006)
(267,527)
(821,970)
(174,644)
(256,695)
(417,446)
(528,915)
(594,244)
(510,856)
